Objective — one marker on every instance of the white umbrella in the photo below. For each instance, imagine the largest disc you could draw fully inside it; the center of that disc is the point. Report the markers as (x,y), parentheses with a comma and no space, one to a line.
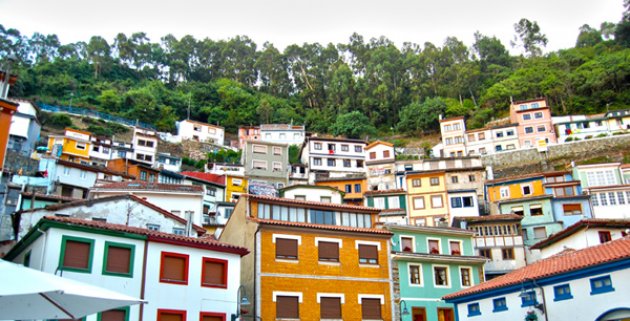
(27,294)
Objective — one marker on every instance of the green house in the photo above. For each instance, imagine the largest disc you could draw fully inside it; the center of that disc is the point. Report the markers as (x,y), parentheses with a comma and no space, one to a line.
(393,204)
(428,263)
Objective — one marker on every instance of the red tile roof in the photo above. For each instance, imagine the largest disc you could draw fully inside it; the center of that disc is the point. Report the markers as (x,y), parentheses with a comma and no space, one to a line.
(388,191)
(207,177)
(585,223)
(321,226)
(564,262)
(492,218)
(208,243)
(331,206)
(146,186)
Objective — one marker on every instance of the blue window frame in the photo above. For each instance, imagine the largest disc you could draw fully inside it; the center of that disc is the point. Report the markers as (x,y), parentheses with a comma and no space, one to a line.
(357,188)
(499,304)
(322,217)
(528,299)
(348,188)
(562,292)
(601,284)
(456,202)
(473,309)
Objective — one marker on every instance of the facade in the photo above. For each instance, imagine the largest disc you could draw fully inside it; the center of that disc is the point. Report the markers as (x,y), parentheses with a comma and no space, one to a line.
(25,128)
(180,277)
(580,127)
(100,150)
(313,260)
(618,120)
(353,187)
(586,284)
(213,187)
(74,146)
(492,139)
(7,110)
(605,183)
(534,122)
(333,157)
(427,198)
(145,142)
(432,262)
(169,162)
(392,203)
(235,186)
(313,193)
(569,204)
(380,163)
(452,130)
(140,170)
(266,162)
(200,132)
(282,134)
(247,133)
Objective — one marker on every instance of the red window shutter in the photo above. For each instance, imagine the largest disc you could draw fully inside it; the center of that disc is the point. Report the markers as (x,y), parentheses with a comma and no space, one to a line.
(77,254)
(118,260)
(455,250)
(330,308)
(173,268)
(211,318)
(406,244)
(328,251)
(170,316)
(214,273)
(287,307)
(286,248)
(371,309)
(113,315)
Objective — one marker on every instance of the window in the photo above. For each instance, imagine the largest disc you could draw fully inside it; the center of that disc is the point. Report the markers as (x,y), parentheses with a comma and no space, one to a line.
(357,188)
(406,244)
(527,189)
(415,274)
(603,199)
(121,314)
(540,233)
(541,128)
(27,259)
(527,116)
(379,202)
(435,181)
(286,249)
(436,201)
(487,253)
(371,309)
(325,199)
(416,182)
(118,259)
(454,179)
(358,149)
(562,292)
(331,162)
(473,309)
(174,268)
(287,307)
(385,154)
(331,147)
(507,253)
(214,273)
(466,276)
(621,199)
(317,161)
(179,231)
(505,192)
(604,236)
(601,285)
(323,217)
(572,209)
(535,210)
(259,164)
(529,130)
(153,227)
(528,299)
(434,246)
(80,146)
(317,146)
(440,275)
(348,188)
(481,136)
(345,148)
(277,150)
(76,254)
(276,166)
(418,203)
(509,132)
(601,178)
(143,176)
(499,134)
(330,307)
(612,198)
(372,155)
(211,191)
(328,251)
(538,114)
(368,254)
(455,247)
(499,304)
(347,163)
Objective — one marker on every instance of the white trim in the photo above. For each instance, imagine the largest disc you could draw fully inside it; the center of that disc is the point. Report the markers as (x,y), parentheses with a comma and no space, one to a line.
(328,239)
(324,277)
(419,265)
(461,247)
(413,242)
(531,188)
(371,296)
(285,293)
(331,295)
(461,280)
(449,280)
(286,236)
(504,188)
(439,245)
(357,242)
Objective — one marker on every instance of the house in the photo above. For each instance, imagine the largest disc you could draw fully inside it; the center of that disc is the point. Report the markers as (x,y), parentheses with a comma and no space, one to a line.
(73,146)
(235,186)
(299,174)
(432,262)
(610,194)
(25,128)
(201,132)
(392,203)
(333,157)
(127,210)
(498,238)
(452,132)
(213,186)
(492,139)
(7,110)
(313,193)
(534,122)
(266,163)
(380,163)
(569,204)
(353,187)
(587,284)
(580,127)
(247,133)
(122,150)
(140,170)
(427,197)
(145,142)
(283,134)
(169,162)
(185,201)
(180,277)
(618,120)
(313,260)
(582,234)
(169,177)
(100,151)
(33,200)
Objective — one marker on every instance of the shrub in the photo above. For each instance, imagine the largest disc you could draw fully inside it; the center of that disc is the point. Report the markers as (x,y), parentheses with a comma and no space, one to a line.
(59,121)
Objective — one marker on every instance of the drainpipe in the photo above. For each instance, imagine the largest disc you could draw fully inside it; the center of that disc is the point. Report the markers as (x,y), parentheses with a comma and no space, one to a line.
(41,260)
(144,278)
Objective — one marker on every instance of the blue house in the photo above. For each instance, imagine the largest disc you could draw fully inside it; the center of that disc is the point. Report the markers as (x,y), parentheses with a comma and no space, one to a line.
(569,204)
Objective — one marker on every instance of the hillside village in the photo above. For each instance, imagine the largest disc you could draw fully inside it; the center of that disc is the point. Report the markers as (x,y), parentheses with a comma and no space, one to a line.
(347,229)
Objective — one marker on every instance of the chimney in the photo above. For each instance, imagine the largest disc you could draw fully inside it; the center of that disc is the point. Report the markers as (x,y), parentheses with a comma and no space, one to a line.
(489,173)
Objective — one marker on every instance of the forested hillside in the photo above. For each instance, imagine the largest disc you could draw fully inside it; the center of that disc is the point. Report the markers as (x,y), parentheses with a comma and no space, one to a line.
(362,86)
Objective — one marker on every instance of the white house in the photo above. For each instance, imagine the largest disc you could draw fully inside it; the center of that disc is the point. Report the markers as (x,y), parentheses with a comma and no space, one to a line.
(463,203)
(181,278)
(587,284)
(313,193)
(24,129)
(201,132)
(213,186)
(580,127)
(584,233)
(100,150)
(169,162)
(610,195)
(282,134)
(333,157)
(185,201)
(145,142)
(380,159)
(452,132)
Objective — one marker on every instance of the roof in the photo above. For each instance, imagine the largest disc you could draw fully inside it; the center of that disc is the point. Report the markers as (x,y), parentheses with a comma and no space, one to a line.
(146,186)
(451,119)
(378,142)
(281,127)
(337,140)
(340,179)
(202,242)
(321,226)
(388,191)
(206,177)
(290,187)
(429,229)
(491,218)
(561,263)
(514,178)
(96,169)
(582,224)
(200,123)
(330,206)
(518,102)
(28,195)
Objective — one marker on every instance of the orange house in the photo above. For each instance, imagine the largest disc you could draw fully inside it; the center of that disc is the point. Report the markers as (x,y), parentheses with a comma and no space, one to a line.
(138,170)
(353,187)
(7,109)
(73,146)
(312,260)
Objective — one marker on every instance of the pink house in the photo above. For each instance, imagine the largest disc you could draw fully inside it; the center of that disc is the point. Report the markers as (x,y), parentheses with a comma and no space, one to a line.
(534,122)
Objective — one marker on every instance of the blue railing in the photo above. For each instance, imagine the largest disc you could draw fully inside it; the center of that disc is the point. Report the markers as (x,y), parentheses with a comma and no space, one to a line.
(93,113)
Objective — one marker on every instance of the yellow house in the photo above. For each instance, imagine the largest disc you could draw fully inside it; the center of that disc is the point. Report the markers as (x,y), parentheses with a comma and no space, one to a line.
(312,260)
(427,198)
(235,186)
(73,146)
(353,187)
(515,187)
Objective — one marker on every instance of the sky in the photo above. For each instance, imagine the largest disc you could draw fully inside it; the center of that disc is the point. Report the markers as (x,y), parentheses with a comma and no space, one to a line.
(286,22)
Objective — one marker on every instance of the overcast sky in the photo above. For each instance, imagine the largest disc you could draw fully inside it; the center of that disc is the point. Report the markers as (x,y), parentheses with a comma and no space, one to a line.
(285,22)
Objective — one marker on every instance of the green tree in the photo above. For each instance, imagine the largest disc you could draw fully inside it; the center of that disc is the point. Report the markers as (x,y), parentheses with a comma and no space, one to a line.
(417,117)
(588,37)
(529,37)
(353,125)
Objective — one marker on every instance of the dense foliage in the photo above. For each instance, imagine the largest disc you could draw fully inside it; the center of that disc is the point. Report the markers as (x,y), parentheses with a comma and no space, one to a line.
(355,88)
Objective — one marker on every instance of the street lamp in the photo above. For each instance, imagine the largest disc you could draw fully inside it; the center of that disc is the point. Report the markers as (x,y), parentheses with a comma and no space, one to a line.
(241,301)
(539,306)
(403,308)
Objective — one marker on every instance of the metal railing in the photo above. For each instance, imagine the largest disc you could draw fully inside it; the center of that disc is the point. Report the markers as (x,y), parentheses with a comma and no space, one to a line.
(93,113)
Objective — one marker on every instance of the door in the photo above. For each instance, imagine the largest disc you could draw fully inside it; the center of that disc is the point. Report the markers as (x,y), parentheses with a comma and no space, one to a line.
(418,314)
(445,314)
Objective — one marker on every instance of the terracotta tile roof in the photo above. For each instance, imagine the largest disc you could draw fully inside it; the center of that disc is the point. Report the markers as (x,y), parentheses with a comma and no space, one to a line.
(585,223)
(201,242)
(207,177)
(358,177)
(389,191)
(378,142)
(321,226)
(514,178)
(146,186)
(51,197)
(200,123)
(350,140)
(331,206)
(96,169)
(491,218)
(558,264)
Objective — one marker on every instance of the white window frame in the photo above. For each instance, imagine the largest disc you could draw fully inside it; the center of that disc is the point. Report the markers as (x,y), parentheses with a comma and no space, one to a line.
(286,293)
(276,166)
(531,189)
(277,150)
(260,147)
(461,246)
(505,189)
(261,161)
(328,239)
(439,244)
(449,280)
(461,280)
(286,236)
(321,295)
(361,242)
(419,265)
(413,242)
(371,296)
